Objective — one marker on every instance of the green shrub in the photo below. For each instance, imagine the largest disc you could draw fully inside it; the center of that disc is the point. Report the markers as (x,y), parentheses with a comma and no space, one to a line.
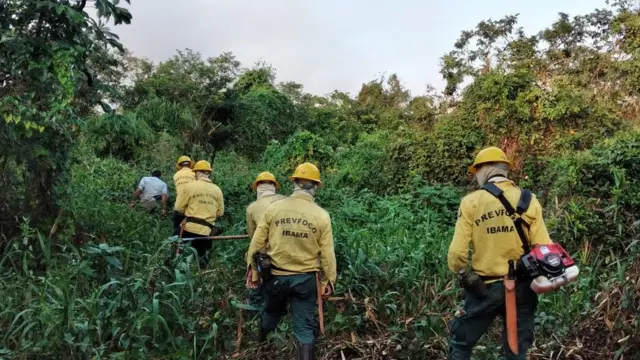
(365,165)
(597,194)
(439,157)
(118,135)
(162,115)
(100,190)
(301,147)
(261,115)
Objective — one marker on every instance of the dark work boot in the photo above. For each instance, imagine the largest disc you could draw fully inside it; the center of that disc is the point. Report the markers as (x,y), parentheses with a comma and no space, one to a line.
(262,334)
(306,352)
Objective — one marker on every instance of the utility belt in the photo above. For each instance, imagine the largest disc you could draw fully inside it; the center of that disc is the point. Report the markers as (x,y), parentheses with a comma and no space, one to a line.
(487,279)
(215,231)
(265,267)
(198,221)
(476,284)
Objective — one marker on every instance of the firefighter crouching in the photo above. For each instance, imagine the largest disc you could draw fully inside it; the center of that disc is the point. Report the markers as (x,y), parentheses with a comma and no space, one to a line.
(266,187)
(200,202)
(484,224)
(297,235)
(183,176)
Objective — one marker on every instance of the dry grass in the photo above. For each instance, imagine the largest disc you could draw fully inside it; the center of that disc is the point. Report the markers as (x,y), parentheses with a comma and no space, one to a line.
(611,329)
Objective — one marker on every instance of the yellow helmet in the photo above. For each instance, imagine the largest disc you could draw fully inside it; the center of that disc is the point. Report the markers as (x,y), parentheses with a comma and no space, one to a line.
(183,159)
(489,155)
(265,176)
(307,171)
(202,165)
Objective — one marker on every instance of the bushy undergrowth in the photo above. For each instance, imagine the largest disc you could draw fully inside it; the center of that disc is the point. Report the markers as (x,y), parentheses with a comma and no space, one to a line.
(594,194)
(86,277)
(105,283)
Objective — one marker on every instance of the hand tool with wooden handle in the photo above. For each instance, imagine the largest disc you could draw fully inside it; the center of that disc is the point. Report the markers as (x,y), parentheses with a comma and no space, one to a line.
(320,304)
(219,237)
(179,243)
(511,309)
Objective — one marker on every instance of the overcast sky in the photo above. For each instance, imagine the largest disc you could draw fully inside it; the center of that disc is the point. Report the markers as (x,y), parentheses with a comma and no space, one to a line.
(329,44)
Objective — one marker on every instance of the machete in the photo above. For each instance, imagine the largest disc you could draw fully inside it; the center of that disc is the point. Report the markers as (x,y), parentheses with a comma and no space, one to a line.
(511,311)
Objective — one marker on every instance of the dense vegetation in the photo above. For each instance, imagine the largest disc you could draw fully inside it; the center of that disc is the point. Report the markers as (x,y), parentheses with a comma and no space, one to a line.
(86,277)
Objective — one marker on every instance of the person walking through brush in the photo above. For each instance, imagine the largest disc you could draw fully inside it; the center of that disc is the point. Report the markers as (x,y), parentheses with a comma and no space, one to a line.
(266,187)
(150,190)
(183,176)
(298,239)
(200,202)
(483,222)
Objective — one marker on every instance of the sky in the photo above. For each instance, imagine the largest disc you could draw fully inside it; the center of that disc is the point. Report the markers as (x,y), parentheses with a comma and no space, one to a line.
(329,45)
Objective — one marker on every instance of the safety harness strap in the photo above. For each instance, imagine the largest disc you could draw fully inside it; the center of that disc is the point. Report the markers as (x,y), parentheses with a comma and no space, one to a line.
(514,214)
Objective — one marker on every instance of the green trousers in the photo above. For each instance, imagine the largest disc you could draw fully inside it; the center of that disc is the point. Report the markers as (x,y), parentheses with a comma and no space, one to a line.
(256,299)
(299,293)
(479,314)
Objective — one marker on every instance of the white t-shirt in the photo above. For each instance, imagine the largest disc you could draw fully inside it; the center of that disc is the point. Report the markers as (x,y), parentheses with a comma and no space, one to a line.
(152,186)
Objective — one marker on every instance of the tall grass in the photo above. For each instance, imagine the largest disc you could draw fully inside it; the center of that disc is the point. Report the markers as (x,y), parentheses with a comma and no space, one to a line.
(105,285)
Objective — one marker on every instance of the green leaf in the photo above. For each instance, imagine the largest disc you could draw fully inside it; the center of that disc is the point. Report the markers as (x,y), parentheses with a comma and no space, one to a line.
(45,4)
(243,306)
(121,15)
(69,338)
(75,15)
(115,262)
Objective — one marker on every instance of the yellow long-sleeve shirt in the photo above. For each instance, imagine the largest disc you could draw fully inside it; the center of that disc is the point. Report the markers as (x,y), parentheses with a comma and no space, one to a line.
(483,223)
(256,210)
(183,177)
(200,199)
(300,238)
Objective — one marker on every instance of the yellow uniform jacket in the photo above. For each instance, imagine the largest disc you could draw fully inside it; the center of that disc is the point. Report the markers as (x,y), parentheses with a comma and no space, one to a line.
(300,238)
(256,210)
(183,177)
(484,223)
(200,199)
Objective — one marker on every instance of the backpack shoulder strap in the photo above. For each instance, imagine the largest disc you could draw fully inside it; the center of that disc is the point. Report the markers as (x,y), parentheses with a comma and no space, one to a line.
(514,214)
(494,190)
(524,202)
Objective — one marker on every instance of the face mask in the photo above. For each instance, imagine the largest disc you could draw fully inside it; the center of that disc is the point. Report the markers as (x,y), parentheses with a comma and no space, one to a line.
(201,175)
(265,189)
(486,172)
(306,187)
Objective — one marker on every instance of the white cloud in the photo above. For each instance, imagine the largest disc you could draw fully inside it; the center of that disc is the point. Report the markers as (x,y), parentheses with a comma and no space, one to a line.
(329,44)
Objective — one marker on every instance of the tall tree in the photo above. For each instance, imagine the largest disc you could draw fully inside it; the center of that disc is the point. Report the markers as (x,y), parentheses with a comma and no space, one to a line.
(45,52)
